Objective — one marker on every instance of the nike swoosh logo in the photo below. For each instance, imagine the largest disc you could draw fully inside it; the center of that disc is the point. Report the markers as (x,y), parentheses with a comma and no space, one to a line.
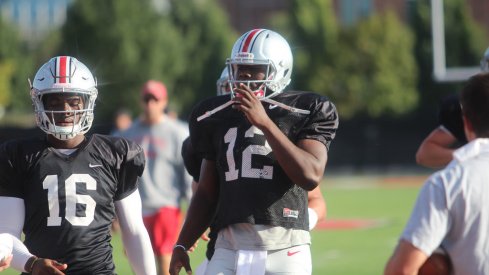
(290,253)
(272,106)
(94,165)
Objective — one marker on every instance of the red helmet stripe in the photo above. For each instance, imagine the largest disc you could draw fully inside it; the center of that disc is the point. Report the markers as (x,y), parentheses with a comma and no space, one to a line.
(62,72)
(251,37)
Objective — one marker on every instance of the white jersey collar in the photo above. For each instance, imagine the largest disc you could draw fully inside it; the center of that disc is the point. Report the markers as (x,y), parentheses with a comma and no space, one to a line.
(476,147)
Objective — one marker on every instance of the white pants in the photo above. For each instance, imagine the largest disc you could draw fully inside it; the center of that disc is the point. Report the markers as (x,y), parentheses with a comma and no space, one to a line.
(294,261)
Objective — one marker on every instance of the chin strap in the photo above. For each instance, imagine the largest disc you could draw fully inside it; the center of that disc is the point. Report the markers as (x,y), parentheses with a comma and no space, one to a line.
(215,110)
(286,107)
(267,100)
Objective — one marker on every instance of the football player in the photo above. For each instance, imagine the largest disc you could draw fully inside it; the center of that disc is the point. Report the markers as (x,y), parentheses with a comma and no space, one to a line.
(437,148)
(316,202)
(261,156)
(63,190)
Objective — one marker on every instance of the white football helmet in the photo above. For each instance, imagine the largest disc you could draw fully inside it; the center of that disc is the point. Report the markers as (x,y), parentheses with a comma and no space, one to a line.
(485,61)
(64,74)
(262,47)
(223,87)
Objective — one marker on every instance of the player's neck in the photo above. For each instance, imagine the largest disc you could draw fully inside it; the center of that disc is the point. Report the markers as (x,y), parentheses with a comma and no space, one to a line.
(66,144)
(152,120)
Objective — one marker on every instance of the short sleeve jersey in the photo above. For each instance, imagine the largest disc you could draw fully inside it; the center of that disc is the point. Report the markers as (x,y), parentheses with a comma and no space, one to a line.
(69,199)
(191,159)
(450,117)
(253,187)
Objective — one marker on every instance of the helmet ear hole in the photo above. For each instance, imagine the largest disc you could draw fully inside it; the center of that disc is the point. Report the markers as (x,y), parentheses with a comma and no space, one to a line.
(286,72)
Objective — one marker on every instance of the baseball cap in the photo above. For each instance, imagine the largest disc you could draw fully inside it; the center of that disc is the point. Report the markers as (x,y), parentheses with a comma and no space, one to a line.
(154,88)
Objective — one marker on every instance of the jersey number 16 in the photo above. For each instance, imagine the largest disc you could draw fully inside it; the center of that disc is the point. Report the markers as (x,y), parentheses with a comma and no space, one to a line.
(72,199)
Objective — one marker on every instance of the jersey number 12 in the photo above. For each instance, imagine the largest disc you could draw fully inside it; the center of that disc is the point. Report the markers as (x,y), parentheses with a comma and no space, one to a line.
(246,170)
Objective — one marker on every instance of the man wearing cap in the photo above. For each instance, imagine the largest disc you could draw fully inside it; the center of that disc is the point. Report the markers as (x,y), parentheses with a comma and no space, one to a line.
(165,183)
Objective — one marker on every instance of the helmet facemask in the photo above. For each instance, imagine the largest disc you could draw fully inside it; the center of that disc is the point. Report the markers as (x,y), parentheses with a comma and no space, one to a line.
(81,118)
(262,88)
(222,84)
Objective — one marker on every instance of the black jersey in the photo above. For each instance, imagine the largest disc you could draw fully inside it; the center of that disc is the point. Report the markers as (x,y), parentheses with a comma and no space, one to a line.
(253,187)
(69,199)
(450,117)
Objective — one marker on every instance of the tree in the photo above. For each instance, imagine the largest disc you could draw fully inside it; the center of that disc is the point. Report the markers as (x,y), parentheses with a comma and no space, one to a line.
(128,42)
(208,38)
(311,29)
(376,72)
(365,69)
(464,41)
(125,43)
(14,70)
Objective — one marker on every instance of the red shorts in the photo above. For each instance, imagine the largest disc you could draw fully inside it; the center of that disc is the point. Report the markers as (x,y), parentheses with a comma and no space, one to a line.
(163,229)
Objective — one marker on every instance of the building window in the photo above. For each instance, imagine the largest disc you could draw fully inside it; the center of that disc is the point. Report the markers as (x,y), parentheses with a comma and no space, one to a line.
(353,10)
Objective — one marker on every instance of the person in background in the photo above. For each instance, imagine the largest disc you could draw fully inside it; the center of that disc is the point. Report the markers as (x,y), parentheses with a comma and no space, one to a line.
(122,121)
(452,208)
(262,150)
(64,190)
(165,183)
(437,148)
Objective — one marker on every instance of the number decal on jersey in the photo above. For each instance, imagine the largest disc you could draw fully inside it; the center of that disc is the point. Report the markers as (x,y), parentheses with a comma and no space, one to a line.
(230,137)
(72,199)
(246,170)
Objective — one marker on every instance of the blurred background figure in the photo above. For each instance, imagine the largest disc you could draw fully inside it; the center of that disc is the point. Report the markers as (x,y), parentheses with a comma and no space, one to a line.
(165,183)
(451,211)
(122,121)
(437,148)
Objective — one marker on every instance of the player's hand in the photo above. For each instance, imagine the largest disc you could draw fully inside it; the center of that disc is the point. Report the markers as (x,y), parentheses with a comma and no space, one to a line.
(251,106)
(205,237)
(193,247)
(179,259)
(48,266)
(5,263)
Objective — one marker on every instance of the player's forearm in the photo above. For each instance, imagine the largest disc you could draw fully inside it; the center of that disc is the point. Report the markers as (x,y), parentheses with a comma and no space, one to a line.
(302,167)
(12,223)
(199,216)
(433,155)
(134,235)
(139,252)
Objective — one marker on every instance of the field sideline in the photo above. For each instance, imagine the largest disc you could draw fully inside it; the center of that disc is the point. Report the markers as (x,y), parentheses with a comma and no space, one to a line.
(365,217)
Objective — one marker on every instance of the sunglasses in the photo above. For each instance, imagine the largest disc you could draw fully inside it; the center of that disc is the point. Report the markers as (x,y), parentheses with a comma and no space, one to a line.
(148,98)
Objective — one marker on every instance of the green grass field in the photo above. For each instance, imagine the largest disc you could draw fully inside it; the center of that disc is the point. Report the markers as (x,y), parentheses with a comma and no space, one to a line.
(385,201)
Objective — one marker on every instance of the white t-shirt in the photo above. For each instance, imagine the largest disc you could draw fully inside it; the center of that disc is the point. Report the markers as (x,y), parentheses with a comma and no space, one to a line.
(452,210)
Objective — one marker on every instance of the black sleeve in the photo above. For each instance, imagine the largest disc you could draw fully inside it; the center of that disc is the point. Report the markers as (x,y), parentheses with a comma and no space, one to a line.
(201,132)
(322,122)
(10,179)
(130,169)
(450,117)
(191,160)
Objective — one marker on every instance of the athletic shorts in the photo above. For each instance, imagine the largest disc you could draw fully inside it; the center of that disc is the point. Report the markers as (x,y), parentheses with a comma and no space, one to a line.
(163,229)
(294,260)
